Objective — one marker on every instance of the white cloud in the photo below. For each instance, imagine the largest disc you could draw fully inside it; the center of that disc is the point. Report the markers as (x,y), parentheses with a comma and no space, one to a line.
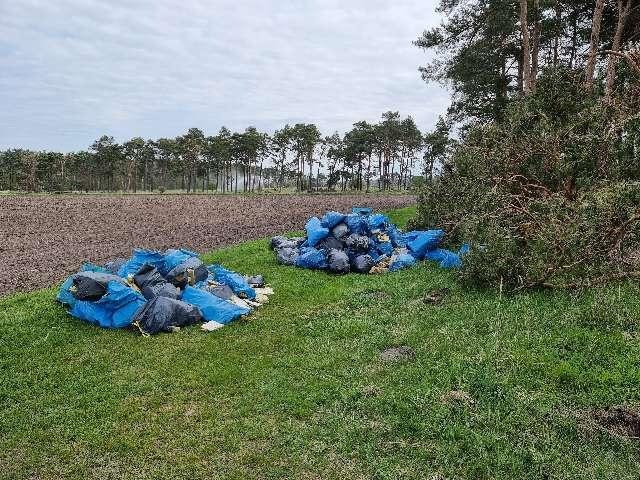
(72,70)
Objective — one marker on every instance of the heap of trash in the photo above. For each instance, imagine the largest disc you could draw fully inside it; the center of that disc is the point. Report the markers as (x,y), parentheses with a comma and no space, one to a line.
(362,242)
(161,292)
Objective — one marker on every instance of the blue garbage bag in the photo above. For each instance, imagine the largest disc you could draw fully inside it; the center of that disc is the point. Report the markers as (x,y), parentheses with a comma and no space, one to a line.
(403,260)
(424,241)
(64,295)
(385,248)
(464,249)
(312,258)
(315,231)
(115,309)
(357,224)
(445,258)
(213,307)
(396,237)
(234,280)
(174,257)
(331,219)
(138,259)
(377,221)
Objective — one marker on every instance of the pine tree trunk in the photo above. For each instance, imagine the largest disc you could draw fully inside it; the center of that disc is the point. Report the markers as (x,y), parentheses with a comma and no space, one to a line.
(593,47)
(526,49)
(535,47)
(623,13)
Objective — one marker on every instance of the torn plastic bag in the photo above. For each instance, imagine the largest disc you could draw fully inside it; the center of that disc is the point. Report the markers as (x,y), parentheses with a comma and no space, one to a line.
(424,241)
(152,284)
(190,271)
(340,231)
(403,260)
(377,221)
(222,291)
(357,242)
(212,307)
(329,243)
(357,224)
(160,314)
(362,263)
(338,261)
(315,231)
(138,259)
(445,258)
(115,309)
(331,219)
(287,256)
(312,258)
(234,280)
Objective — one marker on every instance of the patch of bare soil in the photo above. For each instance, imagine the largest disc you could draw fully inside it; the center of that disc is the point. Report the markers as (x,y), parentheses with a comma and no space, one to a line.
(45,238)
(619,421)
(397,354)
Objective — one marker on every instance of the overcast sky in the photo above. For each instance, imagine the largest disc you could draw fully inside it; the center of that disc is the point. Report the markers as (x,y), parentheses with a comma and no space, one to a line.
(73,70)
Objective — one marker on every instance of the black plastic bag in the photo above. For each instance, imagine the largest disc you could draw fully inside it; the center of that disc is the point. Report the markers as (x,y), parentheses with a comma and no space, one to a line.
(329,243)
(222,291)
(256,281)
(287,256)
(189,272)
(362,264)
(358,243)
(91,286)
(152,284)
(340,231)
(161,314)
(338,261)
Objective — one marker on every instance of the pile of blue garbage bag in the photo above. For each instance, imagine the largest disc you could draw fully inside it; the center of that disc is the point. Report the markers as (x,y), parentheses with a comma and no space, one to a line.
(363,242)
(158,291)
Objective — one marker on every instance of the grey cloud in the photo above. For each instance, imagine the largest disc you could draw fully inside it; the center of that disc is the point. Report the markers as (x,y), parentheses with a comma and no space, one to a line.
(72,70)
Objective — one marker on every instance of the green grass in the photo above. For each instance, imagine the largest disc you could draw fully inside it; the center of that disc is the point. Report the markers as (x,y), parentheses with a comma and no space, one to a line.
(297,389)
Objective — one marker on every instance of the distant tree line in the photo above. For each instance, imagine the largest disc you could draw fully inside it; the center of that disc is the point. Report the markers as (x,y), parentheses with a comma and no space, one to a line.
(383,156)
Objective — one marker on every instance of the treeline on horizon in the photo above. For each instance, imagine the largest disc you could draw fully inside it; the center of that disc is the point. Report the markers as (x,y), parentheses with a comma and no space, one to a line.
(381,156)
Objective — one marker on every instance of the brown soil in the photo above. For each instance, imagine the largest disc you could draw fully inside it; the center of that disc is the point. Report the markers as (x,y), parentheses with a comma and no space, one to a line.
(619,421)
(45,238)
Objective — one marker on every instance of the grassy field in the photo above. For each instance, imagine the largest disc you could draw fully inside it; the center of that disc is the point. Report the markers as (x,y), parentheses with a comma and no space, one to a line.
(298,389)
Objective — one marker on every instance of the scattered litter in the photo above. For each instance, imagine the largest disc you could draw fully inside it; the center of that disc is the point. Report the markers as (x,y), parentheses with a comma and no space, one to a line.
(211,325)
(396,354)
(362,242)
(161,292)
